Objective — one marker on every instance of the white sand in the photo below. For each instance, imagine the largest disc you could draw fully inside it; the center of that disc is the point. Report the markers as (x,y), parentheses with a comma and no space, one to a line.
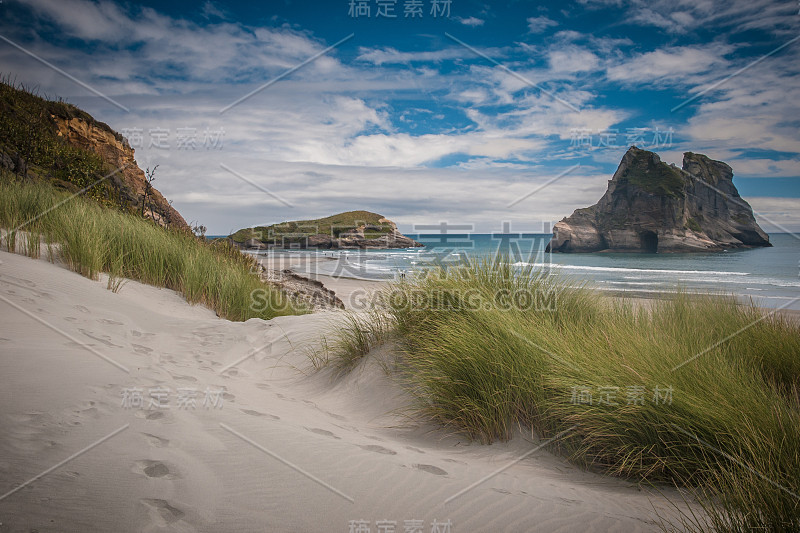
(186,470)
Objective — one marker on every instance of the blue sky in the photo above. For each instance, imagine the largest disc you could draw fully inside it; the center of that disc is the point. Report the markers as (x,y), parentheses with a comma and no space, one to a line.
(515,112)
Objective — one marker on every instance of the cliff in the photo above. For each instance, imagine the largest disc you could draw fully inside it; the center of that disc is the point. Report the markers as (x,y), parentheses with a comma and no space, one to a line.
(651,207)
(130,182)
(349,230)
(56,142)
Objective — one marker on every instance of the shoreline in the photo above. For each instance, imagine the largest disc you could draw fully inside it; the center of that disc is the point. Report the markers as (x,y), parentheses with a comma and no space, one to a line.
(348,287)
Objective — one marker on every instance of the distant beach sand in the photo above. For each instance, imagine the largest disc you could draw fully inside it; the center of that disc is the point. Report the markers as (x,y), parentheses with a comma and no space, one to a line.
(284,449)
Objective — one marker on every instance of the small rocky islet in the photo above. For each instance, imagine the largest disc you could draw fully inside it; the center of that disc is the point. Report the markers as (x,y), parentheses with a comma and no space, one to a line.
(351,230)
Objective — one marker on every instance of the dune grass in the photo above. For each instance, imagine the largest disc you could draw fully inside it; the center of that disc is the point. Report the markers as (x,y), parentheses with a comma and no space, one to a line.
(353,336)
(92,239)
(692,390)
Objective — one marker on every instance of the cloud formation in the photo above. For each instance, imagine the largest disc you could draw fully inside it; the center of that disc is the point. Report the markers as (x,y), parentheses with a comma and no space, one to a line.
(422,129)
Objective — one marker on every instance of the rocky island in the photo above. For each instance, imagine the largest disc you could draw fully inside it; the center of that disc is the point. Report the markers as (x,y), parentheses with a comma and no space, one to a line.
(351,230)
(653,207)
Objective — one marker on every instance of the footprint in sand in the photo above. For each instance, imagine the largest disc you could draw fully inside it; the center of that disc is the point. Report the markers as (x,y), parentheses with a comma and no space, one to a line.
(142,350)
(105,340)
(18,281)
(70,319)
(256,413)
(163,511)
(89,412)
(184,378)
(155,414)
(284,397)
(378,449)
(435,470)
(324,432)
(82,309)
(263,386)
(153,469)
(414,449)
(110,322)
(155,441)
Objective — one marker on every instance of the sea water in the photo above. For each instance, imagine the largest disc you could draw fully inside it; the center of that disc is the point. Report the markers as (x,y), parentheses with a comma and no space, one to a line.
(770,276)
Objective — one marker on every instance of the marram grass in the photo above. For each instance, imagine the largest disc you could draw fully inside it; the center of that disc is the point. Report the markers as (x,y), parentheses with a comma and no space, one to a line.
(697,391)
(92,239)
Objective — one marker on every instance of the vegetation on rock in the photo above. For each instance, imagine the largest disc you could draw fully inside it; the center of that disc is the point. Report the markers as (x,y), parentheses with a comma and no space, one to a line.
(55,142)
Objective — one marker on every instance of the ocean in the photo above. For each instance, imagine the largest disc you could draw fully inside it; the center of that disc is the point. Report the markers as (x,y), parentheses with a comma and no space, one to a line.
(770,276)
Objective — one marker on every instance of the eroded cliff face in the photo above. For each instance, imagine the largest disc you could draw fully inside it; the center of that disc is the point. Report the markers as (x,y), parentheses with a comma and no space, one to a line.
(651,206)
(131,180)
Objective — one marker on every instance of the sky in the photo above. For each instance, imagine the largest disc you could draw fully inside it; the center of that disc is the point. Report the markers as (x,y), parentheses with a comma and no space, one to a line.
(510,114)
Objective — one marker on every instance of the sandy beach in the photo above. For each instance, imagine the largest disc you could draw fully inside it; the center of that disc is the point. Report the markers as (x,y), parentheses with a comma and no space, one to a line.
(134,411)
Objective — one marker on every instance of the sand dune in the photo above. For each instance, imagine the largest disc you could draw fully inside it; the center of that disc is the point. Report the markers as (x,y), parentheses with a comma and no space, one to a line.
(267,446)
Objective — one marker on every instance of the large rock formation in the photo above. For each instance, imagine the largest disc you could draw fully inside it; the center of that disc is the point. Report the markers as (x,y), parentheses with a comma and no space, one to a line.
(651,206)
(115,150)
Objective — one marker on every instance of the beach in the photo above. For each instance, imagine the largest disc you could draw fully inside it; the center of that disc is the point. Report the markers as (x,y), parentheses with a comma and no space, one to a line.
(380,266)
(136,411)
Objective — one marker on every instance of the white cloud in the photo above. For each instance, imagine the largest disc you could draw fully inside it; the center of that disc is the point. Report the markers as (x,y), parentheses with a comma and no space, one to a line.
(388,56)
(86,20)
(755,110)
(572,59)
(143,44)
(671,65)
(471,21)
(540,24)
(765,168)
(682,17)
(776,214)
(678,22)
(211,10)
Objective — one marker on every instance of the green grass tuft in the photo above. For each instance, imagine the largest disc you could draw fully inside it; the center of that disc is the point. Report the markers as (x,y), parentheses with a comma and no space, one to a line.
(92,239)
(352,337)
